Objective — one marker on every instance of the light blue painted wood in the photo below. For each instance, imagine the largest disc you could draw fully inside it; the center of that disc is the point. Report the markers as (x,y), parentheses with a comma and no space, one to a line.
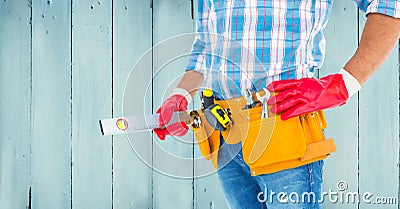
(342,165)
(51,105)
(39,153)
(136,182)
(15,98)
(171,18)
(132,186)
(208,193)
(92,100)
(207,189)
(379,132)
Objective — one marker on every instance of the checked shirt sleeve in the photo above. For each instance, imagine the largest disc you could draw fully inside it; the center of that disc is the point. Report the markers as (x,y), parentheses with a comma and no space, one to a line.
(197,58)
(387,7)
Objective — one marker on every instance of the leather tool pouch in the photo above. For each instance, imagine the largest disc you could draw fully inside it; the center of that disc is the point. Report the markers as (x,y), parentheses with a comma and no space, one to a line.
(271,141)
(268,144)
(208,140)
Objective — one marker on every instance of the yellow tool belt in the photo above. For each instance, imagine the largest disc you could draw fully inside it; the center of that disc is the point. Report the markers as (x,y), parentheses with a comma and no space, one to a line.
(268,144)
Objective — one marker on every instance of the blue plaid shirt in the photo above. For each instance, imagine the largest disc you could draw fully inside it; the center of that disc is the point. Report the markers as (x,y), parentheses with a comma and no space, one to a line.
(246,44)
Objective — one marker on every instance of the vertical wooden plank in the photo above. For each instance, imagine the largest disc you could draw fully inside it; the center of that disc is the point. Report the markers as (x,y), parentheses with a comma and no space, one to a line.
(341,36)
(92,100)
(208,193)
(170,190)
(51,104)
(132,38)
(379,132)
(15,103)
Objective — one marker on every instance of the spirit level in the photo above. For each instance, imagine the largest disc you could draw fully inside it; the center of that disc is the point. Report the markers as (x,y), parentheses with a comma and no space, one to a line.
(123,125)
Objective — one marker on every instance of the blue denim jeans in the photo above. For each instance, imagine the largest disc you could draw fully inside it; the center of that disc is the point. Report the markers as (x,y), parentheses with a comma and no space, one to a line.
(295,188)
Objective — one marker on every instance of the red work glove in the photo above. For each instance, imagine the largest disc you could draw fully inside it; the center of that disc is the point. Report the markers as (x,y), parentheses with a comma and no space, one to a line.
(175,103)
(297,97)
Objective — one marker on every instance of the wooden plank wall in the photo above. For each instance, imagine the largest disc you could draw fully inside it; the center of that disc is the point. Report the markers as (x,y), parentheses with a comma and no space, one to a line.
(132,29)
(341,44)
(64,65)
(170,18)
(379,131)
(15,104)
(51,104)
(91,75)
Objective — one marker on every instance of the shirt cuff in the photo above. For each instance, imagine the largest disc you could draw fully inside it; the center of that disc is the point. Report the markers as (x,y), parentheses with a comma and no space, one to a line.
(387,7)
(196,62)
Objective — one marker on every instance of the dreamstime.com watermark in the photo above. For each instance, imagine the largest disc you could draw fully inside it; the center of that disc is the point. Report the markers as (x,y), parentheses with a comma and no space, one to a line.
(340,196)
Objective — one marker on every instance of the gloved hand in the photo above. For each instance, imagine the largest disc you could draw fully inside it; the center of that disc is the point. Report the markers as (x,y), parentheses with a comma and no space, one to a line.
(176,102)
(297,97)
